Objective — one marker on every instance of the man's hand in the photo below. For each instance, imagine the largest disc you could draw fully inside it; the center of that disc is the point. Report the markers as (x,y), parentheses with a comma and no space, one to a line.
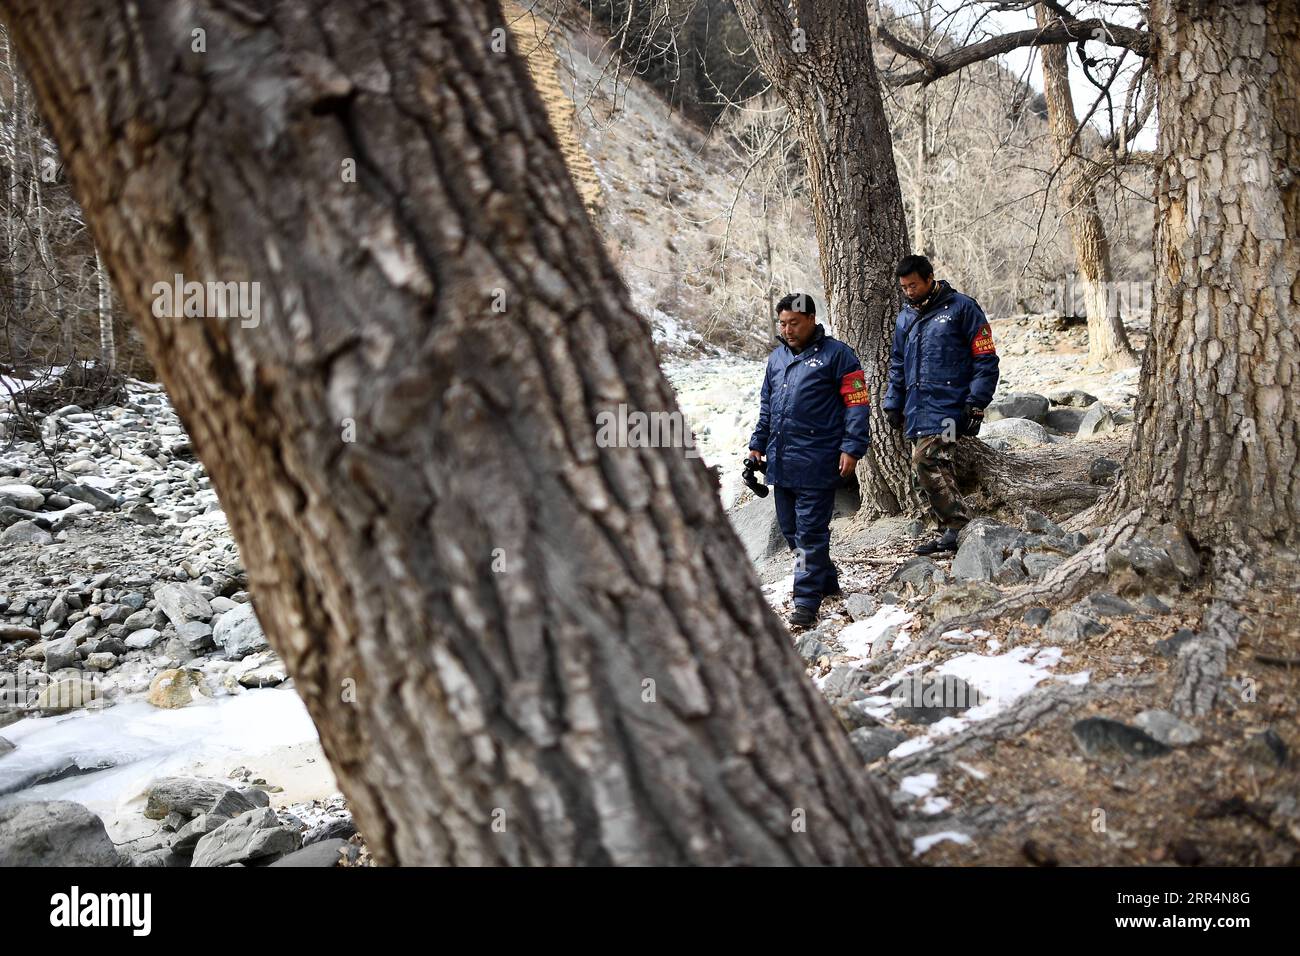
(755,454)
(847,464)
(895,419)
(974,419)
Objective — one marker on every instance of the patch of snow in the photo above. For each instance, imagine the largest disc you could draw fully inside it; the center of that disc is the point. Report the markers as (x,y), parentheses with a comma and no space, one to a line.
(923,843)
(858,637)
(919,785)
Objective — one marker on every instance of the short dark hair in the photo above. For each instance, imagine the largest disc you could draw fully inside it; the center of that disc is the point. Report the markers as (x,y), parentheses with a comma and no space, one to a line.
(914,264)
(797,302)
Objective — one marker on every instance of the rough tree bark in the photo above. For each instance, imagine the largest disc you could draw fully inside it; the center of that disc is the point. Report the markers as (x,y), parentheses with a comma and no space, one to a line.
(470,592)
(817,54)
(1108,345)
(1217,441)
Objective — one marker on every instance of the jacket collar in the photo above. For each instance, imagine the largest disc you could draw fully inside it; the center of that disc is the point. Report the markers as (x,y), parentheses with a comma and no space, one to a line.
(937,297)
(819,333)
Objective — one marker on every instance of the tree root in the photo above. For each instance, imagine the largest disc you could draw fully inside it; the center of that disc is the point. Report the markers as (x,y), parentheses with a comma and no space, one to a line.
(1030,711)
(1201,663)
(1069,579)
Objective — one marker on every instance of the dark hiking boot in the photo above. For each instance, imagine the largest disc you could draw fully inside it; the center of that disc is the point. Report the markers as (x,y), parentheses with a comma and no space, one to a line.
(803,617)
(945,542)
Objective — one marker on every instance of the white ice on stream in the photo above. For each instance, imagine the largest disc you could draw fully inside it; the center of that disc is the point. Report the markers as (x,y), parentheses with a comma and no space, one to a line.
(140,743)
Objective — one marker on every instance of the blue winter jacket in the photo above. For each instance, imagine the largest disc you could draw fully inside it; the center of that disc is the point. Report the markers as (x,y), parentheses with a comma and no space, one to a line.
(942,360)
(814,406)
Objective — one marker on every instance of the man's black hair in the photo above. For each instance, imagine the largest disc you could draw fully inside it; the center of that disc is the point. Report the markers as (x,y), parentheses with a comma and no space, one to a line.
(797,302)
(914,264)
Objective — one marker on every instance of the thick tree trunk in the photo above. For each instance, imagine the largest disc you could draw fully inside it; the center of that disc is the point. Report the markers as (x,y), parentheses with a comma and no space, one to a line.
(1108,345)
(821,65)
(519,646)
(1217,441)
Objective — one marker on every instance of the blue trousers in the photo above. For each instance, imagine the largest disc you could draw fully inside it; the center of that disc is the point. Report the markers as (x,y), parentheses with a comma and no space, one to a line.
(804,515)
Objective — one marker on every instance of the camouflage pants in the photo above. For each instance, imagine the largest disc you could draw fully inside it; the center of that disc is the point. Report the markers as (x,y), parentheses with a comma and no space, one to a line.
(932,463)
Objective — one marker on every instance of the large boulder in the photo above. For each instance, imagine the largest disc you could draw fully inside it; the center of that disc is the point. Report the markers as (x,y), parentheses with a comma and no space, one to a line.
(1073,397)
(188,796)
(1097,420)
(1065,420)
(959,599)
(982,546)
(183,602)
(21,496)
(1017,405)
(25,532)
(755,524)
(1016,432)
(54,833)
(255,835)
(239,634)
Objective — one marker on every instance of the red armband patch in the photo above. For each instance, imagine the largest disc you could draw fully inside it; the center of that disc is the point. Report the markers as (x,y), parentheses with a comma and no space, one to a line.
(983,342)
(853,388)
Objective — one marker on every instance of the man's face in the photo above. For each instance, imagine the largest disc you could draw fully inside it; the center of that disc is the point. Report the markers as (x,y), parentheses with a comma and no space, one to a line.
(915,288)
(796,327)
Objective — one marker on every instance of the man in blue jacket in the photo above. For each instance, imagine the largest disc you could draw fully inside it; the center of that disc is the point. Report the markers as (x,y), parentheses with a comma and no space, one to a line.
(943,370)
(812,429)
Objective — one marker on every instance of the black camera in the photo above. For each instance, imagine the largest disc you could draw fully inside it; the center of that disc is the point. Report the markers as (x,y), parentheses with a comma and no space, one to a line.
(752,465)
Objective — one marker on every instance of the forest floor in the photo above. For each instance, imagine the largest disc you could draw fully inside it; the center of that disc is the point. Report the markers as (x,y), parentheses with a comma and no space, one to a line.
(1009,781)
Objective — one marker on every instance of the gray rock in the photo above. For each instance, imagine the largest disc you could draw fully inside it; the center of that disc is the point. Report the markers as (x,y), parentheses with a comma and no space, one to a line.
(1070,625)
(874,743)
(1103,471)
(1011,571)
(1100,737)
(255,835)
(1065,420)
(57,612)
(161,857)
(842,681)
(144,515)
(101,661)
(1039,523)
(981,549)
(54,833)
(1138,564)
(22,496)
(83,629)
(1073,397)
(807,647)
(1169,646)
(234,802)
(755,524)
(920,574)
(1167,728)
(325,853)
(183,602)
(924,700)
(195,635)
(1103,604)
(144,639)
(1016,432)
(138,621)
(1038,563)
(239,633)
(188,796)
(1016,405)
(25,532)
(189,835)
(961,598)
(332,828)
(1174,543)
(860,605)
(113,613)
(60,653)
(1036,616)
(1096,421)
(101,500)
